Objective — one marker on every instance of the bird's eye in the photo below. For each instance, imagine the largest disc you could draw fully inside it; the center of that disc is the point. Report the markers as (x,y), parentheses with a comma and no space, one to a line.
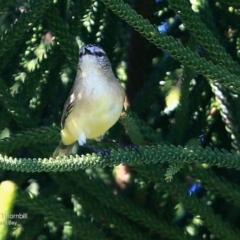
(99,54)
(81,54)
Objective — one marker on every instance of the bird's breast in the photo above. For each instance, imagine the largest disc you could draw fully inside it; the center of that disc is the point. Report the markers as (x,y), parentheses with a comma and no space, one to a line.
(97,108)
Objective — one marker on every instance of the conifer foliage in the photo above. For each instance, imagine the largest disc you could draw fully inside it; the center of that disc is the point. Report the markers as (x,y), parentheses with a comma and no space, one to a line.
(172,168)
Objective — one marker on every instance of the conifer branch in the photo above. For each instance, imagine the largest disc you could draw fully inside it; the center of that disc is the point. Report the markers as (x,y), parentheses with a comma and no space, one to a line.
(60,214)
(213,222)
(127,208)
(121,227)
(23,25)
(132,129)
(5,119)
(204,36)
(206,14)
(4,5)
(15,108)
(219,186)
(175,49)
(33,78)
(228,105)
(31,232)
(67,42)
(145,130)
(30,137)
(172,170)
(145,155)
(234,3)
(79,9)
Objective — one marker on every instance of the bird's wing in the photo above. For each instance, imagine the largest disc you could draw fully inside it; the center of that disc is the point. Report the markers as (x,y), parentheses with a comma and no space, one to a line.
(68,106)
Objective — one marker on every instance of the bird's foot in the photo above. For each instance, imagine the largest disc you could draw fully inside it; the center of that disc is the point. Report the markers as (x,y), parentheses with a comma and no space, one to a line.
(103,152)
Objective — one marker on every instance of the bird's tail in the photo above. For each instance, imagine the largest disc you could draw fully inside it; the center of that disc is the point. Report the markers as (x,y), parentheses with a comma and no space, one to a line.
(63,150)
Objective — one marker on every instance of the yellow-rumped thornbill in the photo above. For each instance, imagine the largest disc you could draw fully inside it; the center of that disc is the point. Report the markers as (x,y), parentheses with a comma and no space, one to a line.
(95,101)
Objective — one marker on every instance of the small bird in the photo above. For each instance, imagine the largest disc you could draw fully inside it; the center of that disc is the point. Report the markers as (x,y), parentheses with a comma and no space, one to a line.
(95,102)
